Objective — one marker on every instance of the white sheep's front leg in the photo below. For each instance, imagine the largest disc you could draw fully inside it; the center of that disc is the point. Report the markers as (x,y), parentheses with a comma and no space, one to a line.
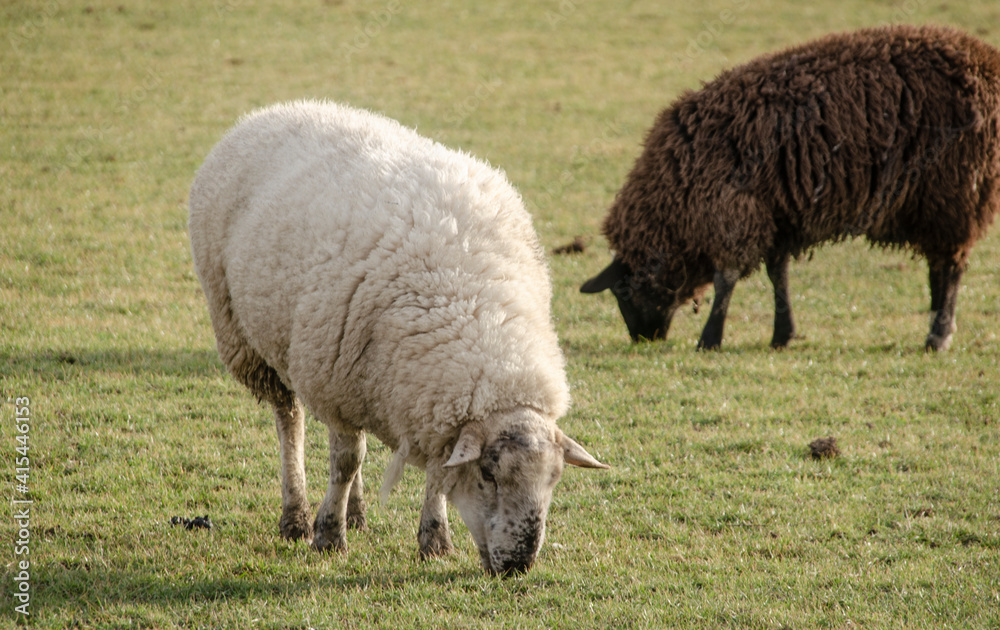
(347,452)
(434,536)
(295,523)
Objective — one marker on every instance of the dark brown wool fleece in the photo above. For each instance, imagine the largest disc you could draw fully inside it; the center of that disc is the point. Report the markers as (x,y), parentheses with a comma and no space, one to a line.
(887,132)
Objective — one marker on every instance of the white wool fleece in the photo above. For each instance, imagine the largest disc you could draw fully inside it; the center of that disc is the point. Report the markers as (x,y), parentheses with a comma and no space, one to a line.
(394,285)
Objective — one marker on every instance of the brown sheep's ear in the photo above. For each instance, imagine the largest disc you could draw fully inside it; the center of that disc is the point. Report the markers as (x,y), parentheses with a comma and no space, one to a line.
(576,455)
(603,281)
(468,448)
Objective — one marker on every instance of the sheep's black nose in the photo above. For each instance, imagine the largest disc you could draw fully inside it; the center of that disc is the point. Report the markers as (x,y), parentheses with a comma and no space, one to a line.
(521,558)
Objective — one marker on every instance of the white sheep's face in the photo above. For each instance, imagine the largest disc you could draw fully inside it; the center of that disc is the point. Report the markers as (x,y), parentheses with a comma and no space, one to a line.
(505,485)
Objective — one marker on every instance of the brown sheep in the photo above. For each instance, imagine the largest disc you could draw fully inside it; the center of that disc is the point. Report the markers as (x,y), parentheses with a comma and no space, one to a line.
(889,132)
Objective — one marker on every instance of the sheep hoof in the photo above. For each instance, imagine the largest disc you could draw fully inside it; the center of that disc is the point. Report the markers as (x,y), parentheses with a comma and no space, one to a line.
(942,328)
(781,344)
(436,550)
(356,514)
(357,521)
(295,525)
(434,539)
(321,542)
(330,535)
(709,345)
(937,343)
(327,545)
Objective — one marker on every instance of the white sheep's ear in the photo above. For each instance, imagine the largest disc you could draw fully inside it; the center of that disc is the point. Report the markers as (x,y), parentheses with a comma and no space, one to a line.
(468,448)
(576,455)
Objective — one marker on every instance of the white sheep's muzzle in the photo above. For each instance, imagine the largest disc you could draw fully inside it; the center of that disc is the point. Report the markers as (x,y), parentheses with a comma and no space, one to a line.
(507,472)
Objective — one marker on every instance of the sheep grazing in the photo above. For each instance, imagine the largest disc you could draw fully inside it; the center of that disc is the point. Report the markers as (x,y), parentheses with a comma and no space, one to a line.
(890,133)
(396,287)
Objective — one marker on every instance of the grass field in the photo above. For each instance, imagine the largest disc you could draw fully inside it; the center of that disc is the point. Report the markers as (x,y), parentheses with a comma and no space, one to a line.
(713,515)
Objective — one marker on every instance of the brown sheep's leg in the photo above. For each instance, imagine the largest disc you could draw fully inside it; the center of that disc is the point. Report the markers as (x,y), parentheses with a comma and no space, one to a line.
(711,336)
(945,277)
(433,536)
(784,325)
(347,452)
(937,282)
(290,420)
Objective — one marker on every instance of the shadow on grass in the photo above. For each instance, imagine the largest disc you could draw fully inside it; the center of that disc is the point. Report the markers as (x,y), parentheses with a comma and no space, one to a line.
(79,593)
(596,350)
(57,363)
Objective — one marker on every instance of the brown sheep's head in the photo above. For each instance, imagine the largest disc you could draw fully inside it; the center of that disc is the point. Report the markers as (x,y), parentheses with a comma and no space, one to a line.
(508,467)
(646,301)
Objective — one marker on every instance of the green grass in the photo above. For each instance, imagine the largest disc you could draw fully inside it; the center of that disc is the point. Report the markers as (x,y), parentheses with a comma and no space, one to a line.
(713,515)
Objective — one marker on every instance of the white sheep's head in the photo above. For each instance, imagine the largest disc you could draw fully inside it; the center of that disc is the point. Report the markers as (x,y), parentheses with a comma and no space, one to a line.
(508,467)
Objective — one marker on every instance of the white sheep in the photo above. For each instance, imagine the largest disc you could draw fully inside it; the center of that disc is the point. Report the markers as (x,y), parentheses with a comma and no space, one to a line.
(397,287)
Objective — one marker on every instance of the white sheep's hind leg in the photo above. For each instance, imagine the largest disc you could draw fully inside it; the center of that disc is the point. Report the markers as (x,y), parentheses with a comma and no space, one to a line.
(347,452)
(295,519)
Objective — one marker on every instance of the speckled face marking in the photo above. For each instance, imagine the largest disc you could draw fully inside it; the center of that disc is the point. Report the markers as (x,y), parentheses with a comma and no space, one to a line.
(505,486)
